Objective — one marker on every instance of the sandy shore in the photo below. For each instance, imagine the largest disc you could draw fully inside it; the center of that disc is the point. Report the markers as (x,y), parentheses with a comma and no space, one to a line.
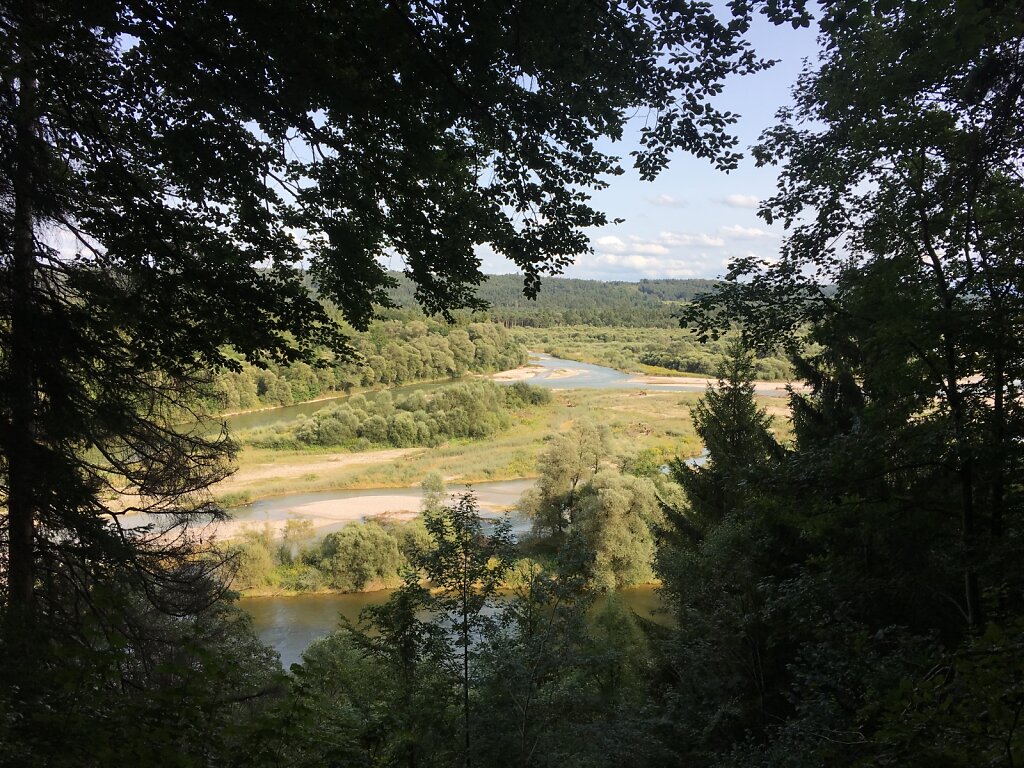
(527,372)
(688,381)
(336,512)
(762,387)
(518,374)
(332,512)
(563,373)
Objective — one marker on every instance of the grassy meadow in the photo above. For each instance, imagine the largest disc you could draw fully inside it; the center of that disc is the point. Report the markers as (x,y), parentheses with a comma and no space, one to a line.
(654,424)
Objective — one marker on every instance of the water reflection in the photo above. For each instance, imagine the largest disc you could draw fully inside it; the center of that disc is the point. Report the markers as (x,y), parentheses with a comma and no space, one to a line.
(290,624)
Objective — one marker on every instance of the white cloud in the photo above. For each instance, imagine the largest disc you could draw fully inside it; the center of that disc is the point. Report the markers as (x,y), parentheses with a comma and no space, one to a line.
(668,253)
(668,201)
(736,232)
(741,201)
(689,239)
(644,247)
(610,243)
(632,265)
(629,261)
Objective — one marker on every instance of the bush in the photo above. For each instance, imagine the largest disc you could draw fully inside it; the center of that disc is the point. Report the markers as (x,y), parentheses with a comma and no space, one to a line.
(522,395)
(374,429)
(253,560)
(301,578)
(470,410)
(359,555)
(402,430)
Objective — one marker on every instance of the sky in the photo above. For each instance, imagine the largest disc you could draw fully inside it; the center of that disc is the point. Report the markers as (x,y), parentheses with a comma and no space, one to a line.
(693,219)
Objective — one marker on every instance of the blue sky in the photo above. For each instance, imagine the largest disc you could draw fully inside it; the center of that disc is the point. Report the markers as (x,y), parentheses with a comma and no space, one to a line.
(693,219)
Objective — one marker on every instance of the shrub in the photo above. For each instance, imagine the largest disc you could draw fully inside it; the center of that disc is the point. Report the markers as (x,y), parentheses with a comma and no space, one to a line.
(359,555)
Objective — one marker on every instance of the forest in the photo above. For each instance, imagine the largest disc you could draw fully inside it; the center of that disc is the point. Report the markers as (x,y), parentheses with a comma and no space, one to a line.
(200,206)
(566,301)
(387,353)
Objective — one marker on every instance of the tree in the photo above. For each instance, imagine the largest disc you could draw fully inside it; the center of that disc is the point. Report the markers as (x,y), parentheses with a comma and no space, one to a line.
(898,291)
(295,535)
(466,567)
(560,679)
(904,199)
(737,443)
(615,520)
(717,553)
(434,494)
(377,697)
(565,467)
(180,150)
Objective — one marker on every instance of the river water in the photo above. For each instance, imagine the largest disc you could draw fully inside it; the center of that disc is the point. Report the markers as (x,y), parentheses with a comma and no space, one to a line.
(290,624)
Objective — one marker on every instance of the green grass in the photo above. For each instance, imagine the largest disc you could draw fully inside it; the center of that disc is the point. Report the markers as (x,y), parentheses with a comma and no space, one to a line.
(653,421)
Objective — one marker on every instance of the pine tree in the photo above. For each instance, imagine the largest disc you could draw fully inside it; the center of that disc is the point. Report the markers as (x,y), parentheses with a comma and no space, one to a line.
(738,442)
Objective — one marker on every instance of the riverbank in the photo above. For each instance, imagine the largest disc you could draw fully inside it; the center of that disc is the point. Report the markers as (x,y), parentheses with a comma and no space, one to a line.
(634,379)
(332,513)
(654,420)
(283,468)
(377,589)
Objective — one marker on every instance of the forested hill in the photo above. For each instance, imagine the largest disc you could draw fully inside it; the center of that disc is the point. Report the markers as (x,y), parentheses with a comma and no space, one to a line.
(568,301)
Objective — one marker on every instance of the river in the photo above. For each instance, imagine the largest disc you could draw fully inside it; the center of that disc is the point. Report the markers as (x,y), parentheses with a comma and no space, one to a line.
(289,624)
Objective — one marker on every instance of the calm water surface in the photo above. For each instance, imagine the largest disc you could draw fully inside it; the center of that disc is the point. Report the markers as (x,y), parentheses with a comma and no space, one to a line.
(290,624)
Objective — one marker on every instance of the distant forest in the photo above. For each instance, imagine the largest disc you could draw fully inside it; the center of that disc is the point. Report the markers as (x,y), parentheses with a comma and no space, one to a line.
(568,301)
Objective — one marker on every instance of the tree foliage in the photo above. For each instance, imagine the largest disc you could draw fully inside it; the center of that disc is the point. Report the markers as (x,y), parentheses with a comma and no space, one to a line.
(469,411)
(389,353)
(581,504)
(572,301)
(170,171)
(879,579)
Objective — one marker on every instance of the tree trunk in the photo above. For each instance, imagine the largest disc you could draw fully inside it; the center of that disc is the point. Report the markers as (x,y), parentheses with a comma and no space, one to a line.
(465,663)
(21,437)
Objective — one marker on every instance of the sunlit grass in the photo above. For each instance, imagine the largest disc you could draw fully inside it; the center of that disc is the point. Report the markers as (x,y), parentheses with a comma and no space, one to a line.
(639,421)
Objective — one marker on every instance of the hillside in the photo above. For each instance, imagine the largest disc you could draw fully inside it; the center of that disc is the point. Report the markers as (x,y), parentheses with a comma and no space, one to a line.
(569,301)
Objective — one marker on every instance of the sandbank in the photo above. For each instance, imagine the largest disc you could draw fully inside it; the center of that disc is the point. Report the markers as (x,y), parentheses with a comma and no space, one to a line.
(518,374)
